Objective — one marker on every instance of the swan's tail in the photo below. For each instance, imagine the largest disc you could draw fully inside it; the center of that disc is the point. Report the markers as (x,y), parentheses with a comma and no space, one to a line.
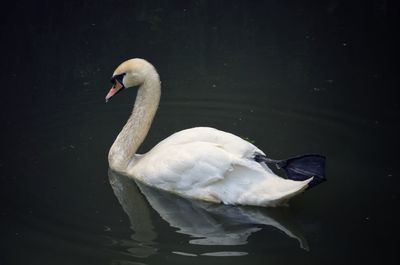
(300,167)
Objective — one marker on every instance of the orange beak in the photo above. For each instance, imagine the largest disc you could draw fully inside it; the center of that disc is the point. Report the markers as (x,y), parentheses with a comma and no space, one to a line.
(114,90)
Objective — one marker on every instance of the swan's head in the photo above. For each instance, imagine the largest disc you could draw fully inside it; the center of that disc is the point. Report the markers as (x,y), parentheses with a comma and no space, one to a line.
(130,73)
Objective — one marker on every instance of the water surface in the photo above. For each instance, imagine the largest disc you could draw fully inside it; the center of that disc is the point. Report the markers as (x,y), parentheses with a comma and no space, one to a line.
(292,78)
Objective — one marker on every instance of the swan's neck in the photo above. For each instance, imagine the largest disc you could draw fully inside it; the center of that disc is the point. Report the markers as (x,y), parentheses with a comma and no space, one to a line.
(135,130)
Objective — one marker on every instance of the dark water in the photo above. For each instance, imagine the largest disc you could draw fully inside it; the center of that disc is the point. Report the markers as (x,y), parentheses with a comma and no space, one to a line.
(317,76)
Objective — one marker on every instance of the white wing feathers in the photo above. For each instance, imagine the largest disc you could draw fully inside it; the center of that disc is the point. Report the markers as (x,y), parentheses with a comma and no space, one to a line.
(209,164)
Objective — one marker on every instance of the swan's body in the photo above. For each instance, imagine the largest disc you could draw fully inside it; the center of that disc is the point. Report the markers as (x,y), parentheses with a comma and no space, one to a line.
(212,165)
(201,163)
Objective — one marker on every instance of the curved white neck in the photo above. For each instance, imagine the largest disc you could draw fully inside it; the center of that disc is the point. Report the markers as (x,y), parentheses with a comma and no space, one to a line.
(135,130)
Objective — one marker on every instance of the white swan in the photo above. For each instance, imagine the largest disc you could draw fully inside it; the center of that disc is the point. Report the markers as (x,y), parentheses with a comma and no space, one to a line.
(200,163)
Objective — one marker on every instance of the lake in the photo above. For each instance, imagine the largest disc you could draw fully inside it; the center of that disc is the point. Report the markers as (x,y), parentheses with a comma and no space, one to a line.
(292,78)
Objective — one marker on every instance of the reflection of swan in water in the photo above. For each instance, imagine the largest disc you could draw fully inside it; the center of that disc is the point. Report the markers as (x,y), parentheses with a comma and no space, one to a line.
(137,209)
(208,223)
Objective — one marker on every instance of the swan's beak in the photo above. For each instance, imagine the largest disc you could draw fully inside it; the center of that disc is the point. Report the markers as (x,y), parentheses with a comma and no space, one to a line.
(114,90)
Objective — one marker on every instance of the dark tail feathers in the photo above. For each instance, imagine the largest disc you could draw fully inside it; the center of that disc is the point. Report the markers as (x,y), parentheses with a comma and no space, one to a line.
(300,167)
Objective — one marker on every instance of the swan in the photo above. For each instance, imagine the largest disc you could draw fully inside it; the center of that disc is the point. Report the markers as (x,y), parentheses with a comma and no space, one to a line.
(200,163)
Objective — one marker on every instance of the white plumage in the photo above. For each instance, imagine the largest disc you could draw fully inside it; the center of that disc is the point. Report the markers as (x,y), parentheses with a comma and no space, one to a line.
(202,163)
(212,165)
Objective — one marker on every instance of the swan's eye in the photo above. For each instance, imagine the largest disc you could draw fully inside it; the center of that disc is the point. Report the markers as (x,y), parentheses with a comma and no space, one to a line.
(118,78)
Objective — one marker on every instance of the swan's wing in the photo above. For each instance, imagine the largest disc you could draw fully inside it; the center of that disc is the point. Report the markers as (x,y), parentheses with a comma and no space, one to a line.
(188,168)
(211,165)
(228,141)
